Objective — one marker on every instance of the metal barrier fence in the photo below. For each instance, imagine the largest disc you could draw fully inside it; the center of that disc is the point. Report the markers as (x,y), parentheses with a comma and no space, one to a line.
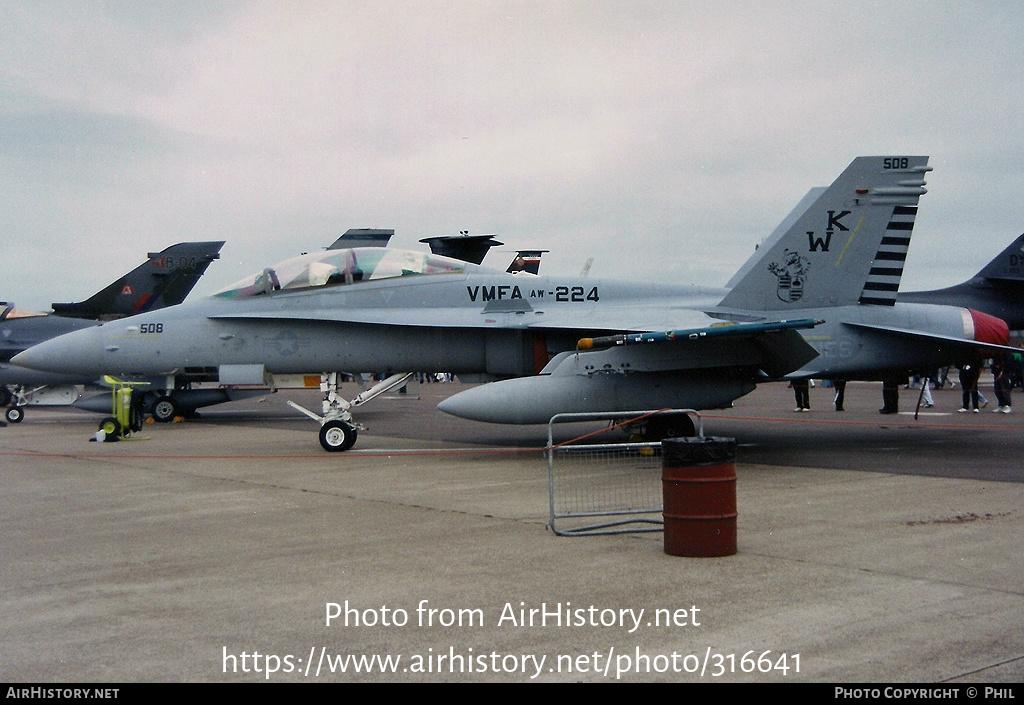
(608,488)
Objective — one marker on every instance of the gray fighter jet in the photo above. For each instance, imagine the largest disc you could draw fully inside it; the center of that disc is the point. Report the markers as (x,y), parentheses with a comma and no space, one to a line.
(819,301)
(165,279)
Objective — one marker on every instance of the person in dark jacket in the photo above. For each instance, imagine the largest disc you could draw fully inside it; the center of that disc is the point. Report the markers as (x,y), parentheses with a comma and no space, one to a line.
(969,374)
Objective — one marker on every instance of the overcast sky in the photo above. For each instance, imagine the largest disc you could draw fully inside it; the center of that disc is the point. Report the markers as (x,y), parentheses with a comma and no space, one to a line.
(664,139)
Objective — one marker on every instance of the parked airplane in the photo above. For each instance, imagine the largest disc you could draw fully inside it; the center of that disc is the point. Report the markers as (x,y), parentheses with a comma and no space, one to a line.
(176,395)
(998,289)
(164,279)
(821,303)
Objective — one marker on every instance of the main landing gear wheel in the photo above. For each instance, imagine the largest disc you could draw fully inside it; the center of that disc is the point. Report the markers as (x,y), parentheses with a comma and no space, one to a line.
(337,436)
(15,414)
(670,426)
(164,409)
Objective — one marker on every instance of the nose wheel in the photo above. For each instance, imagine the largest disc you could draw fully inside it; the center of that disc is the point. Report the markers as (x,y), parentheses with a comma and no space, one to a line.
(338,430)
(337,436)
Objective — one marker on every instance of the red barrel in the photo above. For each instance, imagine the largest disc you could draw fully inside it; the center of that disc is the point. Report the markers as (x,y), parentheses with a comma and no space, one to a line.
(699,487)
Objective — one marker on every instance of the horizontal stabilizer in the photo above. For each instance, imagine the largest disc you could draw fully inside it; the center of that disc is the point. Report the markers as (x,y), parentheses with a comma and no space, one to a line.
(964,346)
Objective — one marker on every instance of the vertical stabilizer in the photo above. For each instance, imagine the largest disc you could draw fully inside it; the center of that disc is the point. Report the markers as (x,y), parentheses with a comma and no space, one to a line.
(848,247)
(1008,265)
(780,230)
(363,237)
(526,261)
(165,279)
(465,247)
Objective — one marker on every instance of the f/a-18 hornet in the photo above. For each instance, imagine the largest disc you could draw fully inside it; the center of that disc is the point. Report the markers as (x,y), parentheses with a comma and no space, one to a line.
(819,300)
(164,279)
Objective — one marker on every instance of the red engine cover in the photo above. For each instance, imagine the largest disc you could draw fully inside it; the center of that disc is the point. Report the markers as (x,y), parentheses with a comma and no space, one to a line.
(989,329)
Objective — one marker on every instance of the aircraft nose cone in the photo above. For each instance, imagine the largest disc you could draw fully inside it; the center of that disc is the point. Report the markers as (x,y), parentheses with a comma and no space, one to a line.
(71,353)
(32,358)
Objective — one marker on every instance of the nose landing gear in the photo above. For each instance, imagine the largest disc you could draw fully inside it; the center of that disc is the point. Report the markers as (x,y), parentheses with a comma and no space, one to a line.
(338,430)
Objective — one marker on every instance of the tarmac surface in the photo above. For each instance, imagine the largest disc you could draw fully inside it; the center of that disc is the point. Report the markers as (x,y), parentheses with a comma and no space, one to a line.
(231,548)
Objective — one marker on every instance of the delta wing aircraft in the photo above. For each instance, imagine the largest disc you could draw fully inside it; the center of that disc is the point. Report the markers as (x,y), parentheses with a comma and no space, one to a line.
(164,279)
(820,301)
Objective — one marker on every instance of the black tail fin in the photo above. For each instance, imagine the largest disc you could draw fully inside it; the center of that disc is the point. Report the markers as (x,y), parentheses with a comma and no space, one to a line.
(998,289)
(1008,265)
(164,280)
(465,247)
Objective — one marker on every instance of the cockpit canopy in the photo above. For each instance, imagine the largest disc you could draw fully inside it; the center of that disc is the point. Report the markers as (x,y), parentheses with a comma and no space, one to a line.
(341,267)
(9,313)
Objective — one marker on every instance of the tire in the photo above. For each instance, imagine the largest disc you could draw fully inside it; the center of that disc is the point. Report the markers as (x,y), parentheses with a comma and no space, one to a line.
(15,414)
(670,426)
(337,436)
(164,409)
(112,428)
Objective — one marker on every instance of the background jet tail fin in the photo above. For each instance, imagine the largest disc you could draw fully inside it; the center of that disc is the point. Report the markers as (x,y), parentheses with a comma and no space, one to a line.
(165,279)
(363,237)
(1008,265)
(465,247)
(526,261)
(847,247)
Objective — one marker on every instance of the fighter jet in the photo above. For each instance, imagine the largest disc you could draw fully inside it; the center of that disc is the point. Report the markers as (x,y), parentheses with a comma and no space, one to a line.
(998,289)
(165,279)
(820,301)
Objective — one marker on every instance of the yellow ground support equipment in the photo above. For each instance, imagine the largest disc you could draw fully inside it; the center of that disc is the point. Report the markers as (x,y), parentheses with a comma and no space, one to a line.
(128,415)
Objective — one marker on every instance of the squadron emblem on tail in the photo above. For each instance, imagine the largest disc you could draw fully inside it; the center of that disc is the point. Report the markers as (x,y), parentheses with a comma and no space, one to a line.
(791,276)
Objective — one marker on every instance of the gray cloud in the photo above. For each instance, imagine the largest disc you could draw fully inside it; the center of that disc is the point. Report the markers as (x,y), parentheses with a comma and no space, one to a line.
(662,139)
